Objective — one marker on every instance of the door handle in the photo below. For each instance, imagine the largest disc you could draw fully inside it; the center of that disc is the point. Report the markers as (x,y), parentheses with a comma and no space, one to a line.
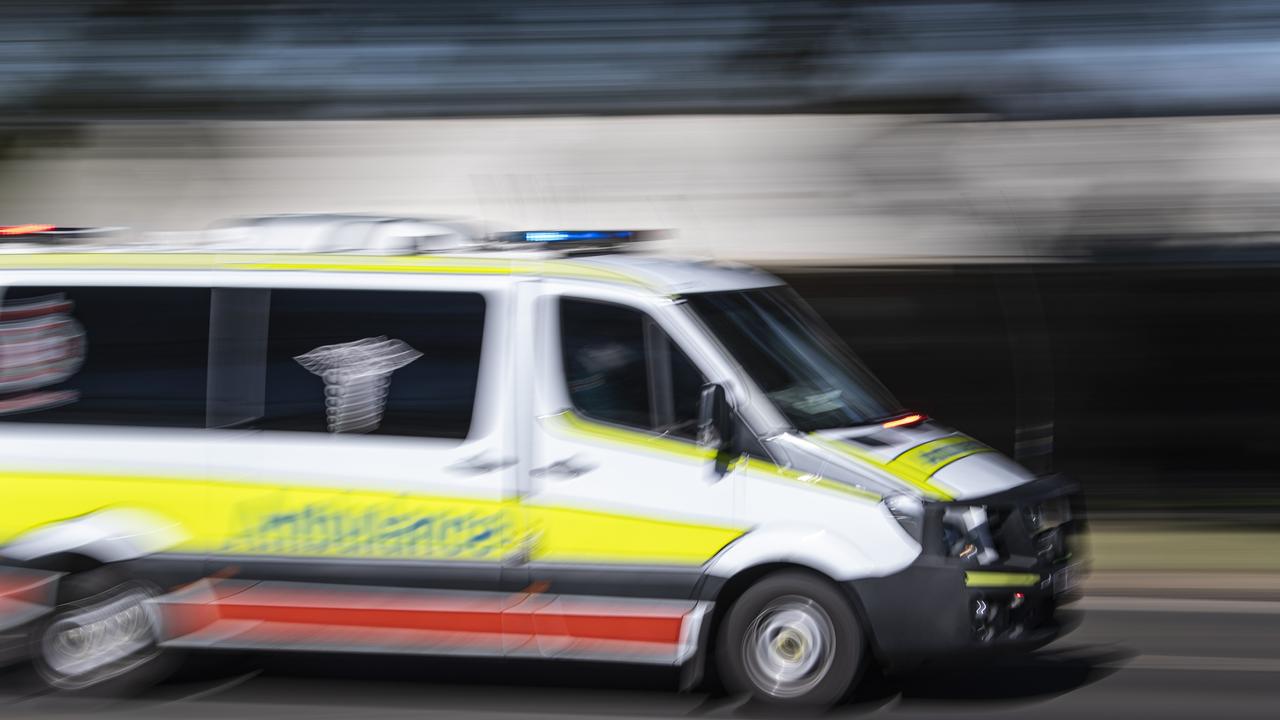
(570,467)
(481,464)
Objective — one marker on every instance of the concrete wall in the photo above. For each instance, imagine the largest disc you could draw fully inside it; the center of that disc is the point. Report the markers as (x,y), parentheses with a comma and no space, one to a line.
(774,189)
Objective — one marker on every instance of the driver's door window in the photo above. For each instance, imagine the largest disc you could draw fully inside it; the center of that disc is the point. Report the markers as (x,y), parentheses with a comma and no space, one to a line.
(621,368)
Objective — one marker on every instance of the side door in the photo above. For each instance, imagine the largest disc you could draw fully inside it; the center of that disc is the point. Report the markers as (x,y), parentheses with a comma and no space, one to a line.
(361,438)
(622,507)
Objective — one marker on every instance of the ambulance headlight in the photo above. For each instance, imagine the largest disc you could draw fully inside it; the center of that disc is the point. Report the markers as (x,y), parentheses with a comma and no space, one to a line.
(908,510)
(966,534)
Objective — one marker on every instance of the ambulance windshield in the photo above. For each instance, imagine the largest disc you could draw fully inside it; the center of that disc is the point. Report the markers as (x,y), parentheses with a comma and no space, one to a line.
(799,363)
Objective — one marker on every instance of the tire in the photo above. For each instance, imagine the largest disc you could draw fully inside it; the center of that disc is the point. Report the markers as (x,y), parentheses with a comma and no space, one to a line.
(101,638)
(791,639)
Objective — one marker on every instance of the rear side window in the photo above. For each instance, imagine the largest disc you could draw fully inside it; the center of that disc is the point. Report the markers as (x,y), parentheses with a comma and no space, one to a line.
(622,368)
(104,355)
(351,361)
(381,362)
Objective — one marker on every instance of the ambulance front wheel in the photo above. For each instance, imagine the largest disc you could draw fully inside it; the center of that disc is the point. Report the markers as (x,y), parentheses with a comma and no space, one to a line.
(791,639)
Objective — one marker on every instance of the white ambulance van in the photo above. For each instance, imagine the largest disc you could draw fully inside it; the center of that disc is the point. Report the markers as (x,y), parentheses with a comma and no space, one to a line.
(389,435)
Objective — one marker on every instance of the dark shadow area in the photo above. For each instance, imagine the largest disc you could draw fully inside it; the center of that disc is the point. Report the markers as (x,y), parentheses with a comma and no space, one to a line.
(372,682)
(476,685)
(464,671)
(1153,384)
(1035,677)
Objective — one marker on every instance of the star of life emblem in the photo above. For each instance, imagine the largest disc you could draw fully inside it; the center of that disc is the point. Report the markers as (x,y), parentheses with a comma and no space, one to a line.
(357,376)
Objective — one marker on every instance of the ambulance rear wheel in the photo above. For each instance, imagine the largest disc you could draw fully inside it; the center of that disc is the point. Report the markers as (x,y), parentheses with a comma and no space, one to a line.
(101,638)
(791,639)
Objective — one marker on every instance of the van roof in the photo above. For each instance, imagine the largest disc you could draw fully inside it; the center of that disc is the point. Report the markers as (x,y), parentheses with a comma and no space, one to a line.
(372,243)
(663,275)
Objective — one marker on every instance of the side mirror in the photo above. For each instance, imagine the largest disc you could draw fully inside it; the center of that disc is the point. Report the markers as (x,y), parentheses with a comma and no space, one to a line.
(716,426)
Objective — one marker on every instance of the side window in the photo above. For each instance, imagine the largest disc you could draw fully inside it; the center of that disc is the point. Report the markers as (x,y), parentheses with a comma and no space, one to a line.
(622,368)
(384,362)
(686,387)
(104,355)
(603,347)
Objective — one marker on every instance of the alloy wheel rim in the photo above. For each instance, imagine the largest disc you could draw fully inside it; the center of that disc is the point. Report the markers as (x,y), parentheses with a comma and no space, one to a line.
(98,641)
(789,647)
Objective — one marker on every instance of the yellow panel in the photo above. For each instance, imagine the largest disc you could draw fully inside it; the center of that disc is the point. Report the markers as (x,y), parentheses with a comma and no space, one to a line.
(221,517)
(930,457)
(979,578)
(917,465)
(562,534)
(34,499)
(289,521)
(251,519)
(568,535)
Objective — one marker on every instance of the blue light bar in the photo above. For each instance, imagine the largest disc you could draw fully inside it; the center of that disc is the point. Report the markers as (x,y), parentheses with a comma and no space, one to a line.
(552,236)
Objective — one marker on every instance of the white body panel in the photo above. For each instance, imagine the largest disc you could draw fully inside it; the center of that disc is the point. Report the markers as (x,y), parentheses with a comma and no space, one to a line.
(982,474)
(513,442)
(481,467)
(785,520)
(110,535)
(623,480)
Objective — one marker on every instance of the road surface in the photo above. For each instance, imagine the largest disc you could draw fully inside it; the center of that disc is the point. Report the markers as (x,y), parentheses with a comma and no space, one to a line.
(1130,657)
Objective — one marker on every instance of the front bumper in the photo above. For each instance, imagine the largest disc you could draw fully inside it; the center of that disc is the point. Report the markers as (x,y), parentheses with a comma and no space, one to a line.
(940,606)
(929,611)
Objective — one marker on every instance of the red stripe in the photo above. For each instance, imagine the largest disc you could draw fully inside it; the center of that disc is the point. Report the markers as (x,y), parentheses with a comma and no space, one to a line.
(548,623)
(475,622)
(611,627)
(599,627)
(352,637)
(484,618)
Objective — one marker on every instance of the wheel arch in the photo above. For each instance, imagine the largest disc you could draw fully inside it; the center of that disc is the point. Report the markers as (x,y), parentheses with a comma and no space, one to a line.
(104,536)
(725,592)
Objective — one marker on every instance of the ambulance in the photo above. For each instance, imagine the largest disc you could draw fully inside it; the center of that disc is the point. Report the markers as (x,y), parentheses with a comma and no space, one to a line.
(365,434)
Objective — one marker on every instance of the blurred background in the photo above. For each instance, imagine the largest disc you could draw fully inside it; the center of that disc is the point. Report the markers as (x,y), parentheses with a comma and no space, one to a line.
(1051,224)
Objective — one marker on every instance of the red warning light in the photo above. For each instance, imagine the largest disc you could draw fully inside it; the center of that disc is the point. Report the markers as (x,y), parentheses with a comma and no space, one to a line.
(24,229)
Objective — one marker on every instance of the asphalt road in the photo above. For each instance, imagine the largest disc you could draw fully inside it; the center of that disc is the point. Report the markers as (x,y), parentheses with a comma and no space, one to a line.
(1129,657)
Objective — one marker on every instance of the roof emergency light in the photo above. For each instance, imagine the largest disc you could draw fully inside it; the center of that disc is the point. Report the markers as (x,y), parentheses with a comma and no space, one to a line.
(551,236)
(578,239)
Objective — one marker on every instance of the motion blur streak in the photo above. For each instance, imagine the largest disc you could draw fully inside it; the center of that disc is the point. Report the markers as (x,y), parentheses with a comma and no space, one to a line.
(1052,225)
(379,58)
(24,229)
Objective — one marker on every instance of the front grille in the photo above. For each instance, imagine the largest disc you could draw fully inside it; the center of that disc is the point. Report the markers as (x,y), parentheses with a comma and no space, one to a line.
(1050,545)
(1041,530)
